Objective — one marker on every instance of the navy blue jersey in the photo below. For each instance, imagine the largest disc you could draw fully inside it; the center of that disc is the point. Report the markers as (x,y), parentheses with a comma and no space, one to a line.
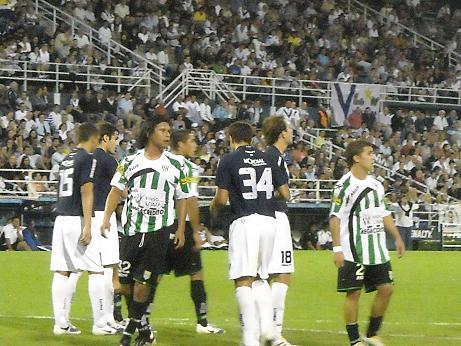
(75,170)
(251,178)
(276,156)
(105,170)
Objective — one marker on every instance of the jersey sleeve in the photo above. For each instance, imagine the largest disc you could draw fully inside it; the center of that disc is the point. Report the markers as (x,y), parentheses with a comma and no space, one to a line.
(337,200)
(119,179)
(223,175)
(86,170)
(279,175)
(182,186)
(192,179)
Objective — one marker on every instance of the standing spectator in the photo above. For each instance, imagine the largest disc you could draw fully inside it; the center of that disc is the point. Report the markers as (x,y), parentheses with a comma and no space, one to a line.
(122,9)
(13,94)
(221,114)
(290,113)
(440,121)
(205,111)
(404,219)
(193,111)
(105,34)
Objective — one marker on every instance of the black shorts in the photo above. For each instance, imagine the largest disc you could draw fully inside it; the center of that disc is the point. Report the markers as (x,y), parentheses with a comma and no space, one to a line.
(184,261)
(143,256)
(353,276)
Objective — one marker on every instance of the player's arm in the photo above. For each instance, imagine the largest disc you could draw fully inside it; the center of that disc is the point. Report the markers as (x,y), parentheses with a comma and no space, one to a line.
(219,201)
(223,183)
(280,180)
(391,228)
(87,167)
(283,192)
(113,198)
(182,194)
(86,191)
(335,226)
(337,207)
(119,183)
(194,217)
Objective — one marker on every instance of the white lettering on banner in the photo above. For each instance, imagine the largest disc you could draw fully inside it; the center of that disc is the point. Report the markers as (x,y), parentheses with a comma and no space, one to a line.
(346,97)
(419,233)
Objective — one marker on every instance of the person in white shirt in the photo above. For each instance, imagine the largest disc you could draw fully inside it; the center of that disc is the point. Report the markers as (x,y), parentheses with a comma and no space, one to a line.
(44,55)
(122,10)
(205,111)
(151,56)
(21,112)
(6,119)
(13,235)
(105,34)
(404,219)
(179,106)
(30,124)
(440,121)
(193,110)
(325,240)
(290,113)
(42,126)
(57,157)
(81,39)
(256,112)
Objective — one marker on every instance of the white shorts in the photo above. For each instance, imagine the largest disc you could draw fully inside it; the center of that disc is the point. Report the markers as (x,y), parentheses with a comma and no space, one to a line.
(283,261)
(251,243)
(68,254)
(109,246)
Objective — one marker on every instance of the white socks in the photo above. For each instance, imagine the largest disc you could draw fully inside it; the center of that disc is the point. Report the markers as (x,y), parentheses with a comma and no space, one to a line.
(248,316)
(72,282)
(109,295)
(279,293)
(97,293)
(263,299)
(61,293)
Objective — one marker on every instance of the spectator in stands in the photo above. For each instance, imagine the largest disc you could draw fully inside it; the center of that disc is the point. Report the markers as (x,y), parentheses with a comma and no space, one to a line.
(14,236)
(440,121)
(30,237)
(404,219)
(311,239)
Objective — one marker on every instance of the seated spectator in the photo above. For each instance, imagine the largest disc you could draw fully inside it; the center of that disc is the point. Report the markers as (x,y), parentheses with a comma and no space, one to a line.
(30,237)
(14,236)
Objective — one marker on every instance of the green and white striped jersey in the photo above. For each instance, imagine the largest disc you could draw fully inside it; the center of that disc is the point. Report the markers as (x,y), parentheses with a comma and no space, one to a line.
(152,186)
(360,207)
(192,173)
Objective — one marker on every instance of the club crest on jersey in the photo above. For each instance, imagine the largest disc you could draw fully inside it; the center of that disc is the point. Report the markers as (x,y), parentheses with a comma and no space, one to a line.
(337,200)
(121,169)
(165,168)
(147,275)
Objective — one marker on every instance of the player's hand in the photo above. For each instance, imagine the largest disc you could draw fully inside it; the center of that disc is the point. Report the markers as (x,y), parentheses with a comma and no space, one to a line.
(338,258)
(179,239)
(400,247)
(85,238)
(198,242)
(105,227)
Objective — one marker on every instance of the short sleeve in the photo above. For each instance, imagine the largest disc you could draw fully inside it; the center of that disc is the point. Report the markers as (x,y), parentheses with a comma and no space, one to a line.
(279,175)
(87,168)
(223,175)
(337,200)
(182,186)
(192,179)
(119,179)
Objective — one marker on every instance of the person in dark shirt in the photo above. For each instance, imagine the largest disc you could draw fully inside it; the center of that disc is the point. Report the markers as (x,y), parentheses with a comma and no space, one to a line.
(106,166)
(73,249)
(248,178)
(278,136)
(87,103)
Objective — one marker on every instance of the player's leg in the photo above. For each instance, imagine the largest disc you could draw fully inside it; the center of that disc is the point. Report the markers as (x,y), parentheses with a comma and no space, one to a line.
(265,228)
(97,294)
(350,281)
(379,278)
(243,268)
(62,264)
(280,268)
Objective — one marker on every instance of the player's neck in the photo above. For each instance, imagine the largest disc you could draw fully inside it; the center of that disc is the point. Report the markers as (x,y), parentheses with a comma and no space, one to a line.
(281,146)
(178,152)
(359,172)
(85,147)
(236,146)
(103,148)
(152,152)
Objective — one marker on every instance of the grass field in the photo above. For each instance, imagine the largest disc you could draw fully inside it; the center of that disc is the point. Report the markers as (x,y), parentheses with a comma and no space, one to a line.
(426,307)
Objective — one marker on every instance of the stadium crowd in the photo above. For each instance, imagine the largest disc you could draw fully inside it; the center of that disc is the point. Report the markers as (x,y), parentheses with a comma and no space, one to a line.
(240,38)
(253,38)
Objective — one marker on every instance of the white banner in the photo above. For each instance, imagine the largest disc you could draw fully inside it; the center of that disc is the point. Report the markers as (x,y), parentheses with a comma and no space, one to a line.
(346,97)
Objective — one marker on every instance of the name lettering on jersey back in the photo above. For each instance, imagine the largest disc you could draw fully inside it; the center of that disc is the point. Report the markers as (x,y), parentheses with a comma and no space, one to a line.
(254,162)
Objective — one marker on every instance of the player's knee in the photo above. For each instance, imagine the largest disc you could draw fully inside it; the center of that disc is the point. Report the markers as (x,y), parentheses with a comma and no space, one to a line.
(353,295)
(197,276)
(386,290)
(141,292)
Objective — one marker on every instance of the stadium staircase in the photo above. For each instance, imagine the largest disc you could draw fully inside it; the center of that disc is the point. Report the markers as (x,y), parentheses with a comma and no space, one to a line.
(418,38)
(54,16)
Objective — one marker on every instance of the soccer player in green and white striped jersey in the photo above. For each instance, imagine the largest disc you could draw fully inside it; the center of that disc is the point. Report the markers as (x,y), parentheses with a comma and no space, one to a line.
(157,191)
(358,220)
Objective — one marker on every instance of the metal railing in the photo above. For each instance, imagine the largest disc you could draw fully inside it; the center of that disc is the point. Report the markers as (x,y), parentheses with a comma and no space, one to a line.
(111,49)
(418,38)
(303,190)
(87,75)
(274,91)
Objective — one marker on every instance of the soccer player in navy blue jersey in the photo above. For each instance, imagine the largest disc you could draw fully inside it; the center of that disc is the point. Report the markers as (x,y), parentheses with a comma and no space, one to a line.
(249,178)
(105,170)
(278,136)
(74,249)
